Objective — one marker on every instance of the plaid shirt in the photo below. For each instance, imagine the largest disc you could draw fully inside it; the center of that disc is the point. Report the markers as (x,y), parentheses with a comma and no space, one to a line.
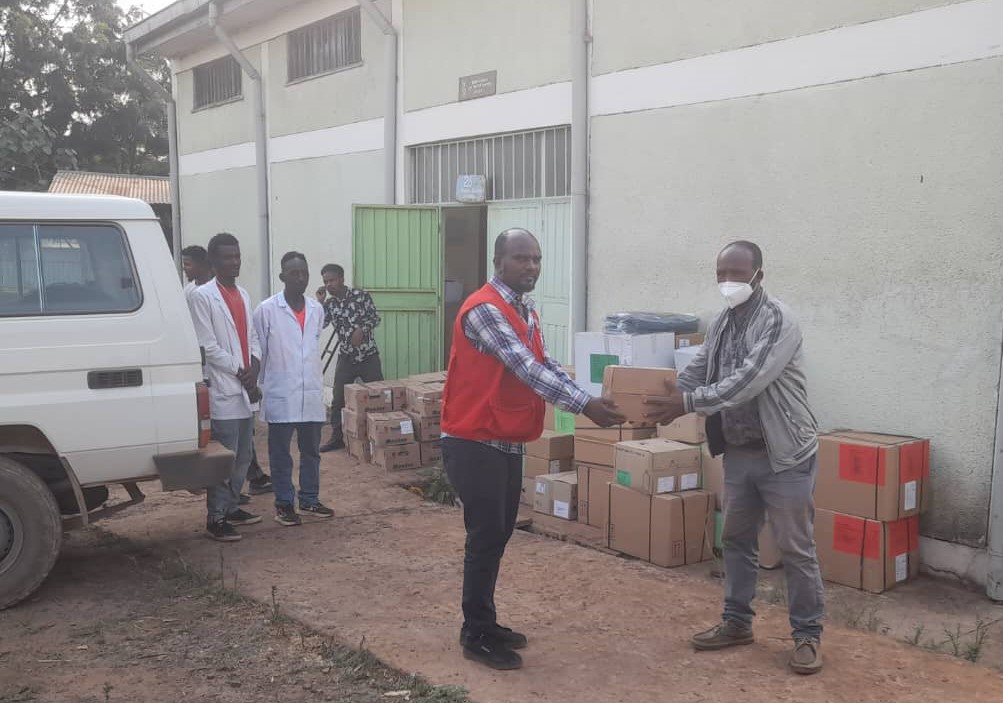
(490,333)
(355,309)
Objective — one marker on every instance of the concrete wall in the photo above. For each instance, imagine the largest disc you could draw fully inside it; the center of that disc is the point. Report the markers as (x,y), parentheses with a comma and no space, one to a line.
(877,205)
(646,32)
(224,201)
(312,207)
(348,95)
(526,41)
(214,127)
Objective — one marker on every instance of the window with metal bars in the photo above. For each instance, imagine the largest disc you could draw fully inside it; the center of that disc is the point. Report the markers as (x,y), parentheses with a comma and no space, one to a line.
(521,165)
(325,46)
(217,82)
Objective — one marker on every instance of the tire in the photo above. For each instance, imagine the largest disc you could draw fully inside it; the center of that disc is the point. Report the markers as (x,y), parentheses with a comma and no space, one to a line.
(31,532)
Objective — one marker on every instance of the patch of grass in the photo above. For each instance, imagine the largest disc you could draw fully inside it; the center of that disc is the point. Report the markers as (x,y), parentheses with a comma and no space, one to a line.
(435,486)
(22,695)
(973,650)
(916,636)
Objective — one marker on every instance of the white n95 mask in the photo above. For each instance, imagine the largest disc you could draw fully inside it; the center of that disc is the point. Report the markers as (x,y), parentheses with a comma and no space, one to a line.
(736,293)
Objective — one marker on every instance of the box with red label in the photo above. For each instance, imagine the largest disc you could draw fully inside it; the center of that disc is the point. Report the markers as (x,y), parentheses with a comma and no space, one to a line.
(425,400)
(387,429)
(398,457)
(876,476)
(430,452)
(359,448)
(354,424)
(362,399)
(867,554)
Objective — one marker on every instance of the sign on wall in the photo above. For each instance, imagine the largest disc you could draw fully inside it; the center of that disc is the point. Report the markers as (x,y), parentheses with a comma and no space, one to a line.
(479,85)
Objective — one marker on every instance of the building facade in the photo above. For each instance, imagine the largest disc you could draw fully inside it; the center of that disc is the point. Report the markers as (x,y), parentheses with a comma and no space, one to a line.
(858,142)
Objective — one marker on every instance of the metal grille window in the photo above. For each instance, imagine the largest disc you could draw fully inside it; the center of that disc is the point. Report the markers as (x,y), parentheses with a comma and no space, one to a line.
(217,82)
(533,164)
(325,46)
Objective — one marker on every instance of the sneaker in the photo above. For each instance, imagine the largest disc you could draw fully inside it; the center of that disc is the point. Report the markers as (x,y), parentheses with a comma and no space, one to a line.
(318,509)
(262,484)
(726,634)
(241,517)
(333,446)
(490,652)
(244,499)
(501,635)
(222,531)
(286,515)
(806,658)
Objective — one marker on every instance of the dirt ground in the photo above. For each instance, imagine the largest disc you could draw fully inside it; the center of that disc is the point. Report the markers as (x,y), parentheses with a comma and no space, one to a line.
(144,591)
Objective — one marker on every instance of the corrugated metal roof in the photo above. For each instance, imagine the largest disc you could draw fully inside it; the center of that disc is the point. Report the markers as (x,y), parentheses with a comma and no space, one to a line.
(152,189)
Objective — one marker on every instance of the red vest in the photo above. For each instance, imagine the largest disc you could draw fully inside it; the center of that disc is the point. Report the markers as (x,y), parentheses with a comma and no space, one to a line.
(483,400)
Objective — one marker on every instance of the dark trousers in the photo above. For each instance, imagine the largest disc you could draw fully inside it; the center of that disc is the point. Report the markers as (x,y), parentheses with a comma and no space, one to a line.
(489,483)
(280,461)
(347,371)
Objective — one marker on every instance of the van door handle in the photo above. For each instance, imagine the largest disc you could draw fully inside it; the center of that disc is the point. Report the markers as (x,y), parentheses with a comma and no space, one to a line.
(118,378)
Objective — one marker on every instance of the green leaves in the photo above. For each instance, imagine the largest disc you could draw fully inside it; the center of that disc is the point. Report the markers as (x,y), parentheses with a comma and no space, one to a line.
(70,100)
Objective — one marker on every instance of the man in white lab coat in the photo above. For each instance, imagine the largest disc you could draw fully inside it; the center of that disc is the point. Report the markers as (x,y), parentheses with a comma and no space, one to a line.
(288,325)
(222,313)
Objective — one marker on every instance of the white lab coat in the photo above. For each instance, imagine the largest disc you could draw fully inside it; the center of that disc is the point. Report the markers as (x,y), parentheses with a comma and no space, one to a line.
(217,334)
(291,376)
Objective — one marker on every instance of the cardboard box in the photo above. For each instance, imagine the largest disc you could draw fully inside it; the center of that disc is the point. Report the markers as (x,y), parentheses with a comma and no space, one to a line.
(400,457)
(354,424)
(564,495)
(681,528)
(594,351)
(584,427)
(394,393)
(426,429)
(424,400)
(535,466)
(593,450)
(593,493)
(875,476)
(559,421)
(359,448)
(543,494)
(712,475)
(867,554)
(657,466)
(629,387)
(688,428)
(362,399)
(388,429)
(689,340)
(430,452)
(528,490)
(551,445)
(628,528)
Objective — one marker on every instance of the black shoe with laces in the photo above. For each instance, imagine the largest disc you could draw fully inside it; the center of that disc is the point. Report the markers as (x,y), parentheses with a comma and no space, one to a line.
(241,517)
(318,509)
(503,635)
(262,484)
(490,652)
(244,499)
(286,515)
(222,531)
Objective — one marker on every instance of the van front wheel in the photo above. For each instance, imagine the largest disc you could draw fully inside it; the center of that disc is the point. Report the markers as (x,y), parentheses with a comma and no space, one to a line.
(30,532)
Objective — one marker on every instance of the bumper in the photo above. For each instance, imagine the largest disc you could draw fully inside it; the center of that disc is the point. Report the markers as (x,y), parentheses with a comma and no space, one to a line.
(196,469)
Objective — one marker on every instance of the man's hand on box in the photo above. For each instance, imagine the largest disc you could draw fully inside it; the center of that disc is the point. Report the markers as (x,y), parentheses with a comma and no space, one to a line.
(665,410)
(603,412)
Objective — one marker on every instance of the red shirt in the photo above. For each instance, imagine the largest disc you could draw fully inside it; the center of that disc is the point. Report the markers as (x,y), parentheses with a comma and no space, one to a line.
(235,302)
(483,400)
(300,317)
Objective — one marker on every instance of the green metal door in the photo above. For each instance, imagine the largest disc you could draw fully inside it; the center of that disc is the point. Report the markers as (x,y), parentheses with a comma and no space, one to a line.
(550,221)
(397,257)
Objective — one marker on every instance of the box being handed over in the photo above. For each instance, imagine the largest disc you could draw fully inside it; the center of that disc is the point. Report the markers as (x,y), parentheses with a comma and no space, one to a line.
(630,386)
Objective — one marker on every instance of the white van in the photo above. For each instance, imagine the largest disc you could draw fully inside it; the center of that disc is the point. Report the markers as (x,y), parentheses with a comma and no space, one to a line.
(100,374)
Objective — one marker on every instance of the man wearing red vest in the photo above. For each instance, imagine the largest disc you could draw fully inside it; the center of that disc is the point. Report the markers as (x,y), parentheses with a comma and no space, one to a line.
(500,377)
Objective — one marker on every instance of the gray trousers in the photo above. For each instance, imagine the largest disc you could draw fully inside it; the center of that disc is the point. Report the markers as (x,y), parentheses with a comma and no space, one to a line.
(235,435)
(753,492)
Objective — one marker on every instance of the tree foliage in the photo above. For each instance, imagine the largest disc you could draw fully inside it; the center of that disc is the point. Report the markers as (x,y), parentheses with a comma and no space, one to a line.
(68,99)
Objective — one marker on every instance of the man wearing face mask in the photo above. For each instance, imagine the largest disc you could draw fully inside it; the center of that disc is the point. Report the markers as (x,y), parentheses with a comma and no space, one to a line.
(749,382)
(500,376)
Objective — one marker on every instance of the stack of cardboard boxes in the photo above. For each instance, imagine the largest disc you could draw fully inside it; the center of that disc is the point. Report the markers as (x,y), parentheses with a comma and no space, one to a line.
(361,400)
(870,491)
(547,459)
(395,424)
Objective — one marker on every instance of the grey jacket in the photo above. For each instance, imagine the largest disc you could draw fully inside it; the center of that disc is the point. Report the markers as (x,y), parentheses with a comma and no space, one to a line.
(770,375)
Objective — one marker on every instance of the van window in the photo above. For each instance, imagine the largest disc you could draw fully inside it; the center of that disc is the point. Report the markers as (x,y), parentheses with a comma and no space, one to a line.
(83,269)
